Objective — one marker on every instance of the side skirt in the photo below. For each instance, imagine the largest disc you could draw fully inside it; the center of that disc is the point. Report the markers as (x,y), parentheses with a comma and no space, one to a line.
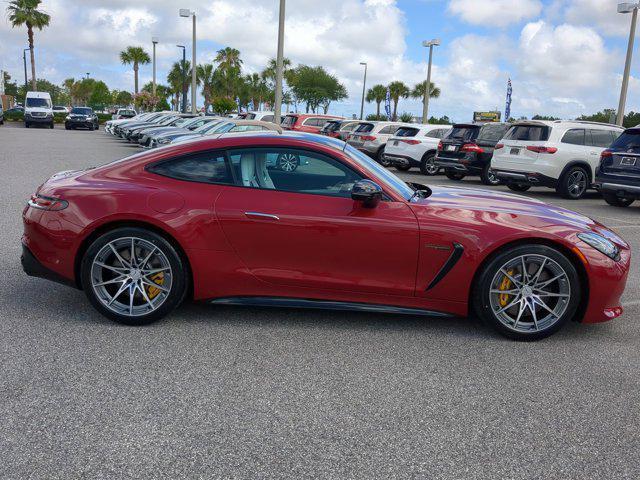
(325,305)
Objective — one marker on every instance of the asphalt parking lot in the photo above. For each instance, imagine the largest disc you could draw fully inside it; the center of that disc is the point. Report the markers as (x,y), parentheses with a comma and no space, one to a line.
(232,392)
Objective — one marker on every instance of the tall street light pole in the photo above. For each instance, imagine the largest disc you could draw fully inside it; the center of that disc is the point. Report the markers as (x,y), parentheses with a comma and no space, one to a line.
(184,12)
(26,82)
(184,78)
(277,108)
(425,105)
(633,9)
(154,40)
(364,89)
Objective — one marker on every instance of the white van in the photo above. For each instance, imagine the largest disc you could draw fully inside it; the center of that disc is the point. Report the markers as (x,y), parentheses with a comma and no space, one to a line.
(38,109)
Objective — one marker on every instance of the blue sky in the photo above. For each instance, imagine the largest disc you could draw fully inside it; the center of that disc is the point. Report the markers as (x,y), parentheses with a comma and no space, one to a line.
(565,57)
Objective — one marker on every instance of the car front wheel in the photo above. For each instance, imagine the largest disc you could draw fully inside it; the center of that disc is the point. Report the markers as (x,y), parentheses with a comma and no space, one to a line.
(616,201)
(133,276)
(574,183)
(488,177)
(527,292)
(381,158)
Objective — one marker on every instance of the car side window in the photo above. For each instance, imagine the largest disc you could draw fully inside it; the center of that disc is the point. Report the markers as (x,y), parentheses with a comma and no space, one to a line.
(574,137)
(204,167)
(292,170)
(267,118)
(601,138)
(389,129)
(437,133)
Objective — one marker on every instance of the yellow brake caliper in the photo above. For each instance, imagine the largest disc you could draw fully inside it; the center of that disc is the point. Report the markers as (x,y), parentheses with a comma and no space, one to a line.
(158,279)
(505,285)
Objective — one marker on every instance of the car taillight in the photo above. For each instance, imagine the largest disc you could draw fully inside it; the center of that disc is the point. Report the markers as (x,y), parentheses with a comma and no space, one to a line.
(368,138)
(471,147)
(440,145)
(542,149)
(47,203)
(411,142)
(606,154)
(606,158)
(499,146)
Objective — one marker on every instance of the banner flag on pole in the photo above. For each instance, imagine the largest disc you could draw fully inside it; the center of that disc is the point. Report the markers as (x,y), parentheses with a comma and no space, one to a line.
(387,104)
(238,104)
(507,110)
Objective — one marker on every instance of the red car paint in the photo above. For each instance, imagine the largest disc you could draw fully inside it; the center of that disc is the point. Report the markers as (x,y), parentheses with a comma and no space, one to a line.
(295,121)
(324,248)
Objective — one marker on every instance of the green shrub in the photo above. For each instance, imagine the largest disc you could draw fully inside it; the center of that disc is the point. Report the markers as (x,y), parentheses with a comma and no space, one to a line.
(406,117)
(14,116)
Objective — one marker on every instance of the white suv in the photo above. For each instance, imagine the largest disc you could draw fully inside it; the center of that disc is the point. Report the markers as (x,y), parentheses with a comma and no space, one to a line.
(558,154)
(415,146)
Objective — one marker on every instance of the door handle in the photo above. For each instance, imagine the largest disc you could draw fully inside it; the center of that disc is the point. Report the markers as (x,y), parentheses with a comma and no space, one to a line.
(261,216)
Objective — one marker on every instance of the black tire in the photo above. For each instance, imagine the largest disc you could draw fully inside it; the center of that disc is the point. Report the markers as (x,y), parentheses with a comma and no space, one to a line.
(179,271)
(380,158)
(481,297)
(518,188)
(26,125)
(567,185)
(91,127)
(487,177)
(403,168)
(428,166)
(51,126)
(67,127)
(616,201)
(453,175)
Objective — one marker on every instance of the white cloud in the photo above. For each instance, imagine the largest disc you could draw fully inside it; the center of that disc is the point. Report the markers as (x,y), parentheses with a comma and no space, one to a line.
(600,14)
(498,13)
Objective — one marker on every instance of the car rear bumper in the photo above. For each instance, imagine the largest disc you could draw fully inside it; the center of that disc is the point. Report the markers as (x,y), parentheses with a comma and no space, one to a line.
(523,178)
(401,160)
(34,268)
(620,188)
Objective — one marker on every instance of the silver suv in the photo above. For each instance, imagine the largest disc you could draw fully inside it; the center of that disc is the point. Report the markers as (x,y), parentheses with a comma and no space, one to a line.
(372,137)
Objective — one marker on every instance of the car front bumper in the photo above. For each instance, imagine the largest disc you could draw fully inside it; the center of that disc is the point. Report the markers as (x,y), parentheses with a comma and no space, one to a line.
(80,123)
(31,119)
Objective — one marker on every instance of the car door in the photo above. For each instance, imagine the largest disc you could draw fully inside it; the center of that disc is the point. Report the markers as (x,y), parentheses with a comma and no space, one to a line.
(574,146)
(302,229)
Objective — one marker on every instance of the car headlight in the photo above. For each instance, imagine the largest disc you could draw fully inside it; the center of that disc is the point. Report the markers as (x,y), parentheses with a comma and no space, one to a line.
(163,141)
(68,117)
(601,244)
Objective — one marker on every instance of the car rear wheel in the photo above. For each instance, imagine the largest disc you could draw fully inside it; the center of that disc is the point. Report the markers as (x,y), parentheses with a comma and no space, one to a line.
(518,188)
(133,276)
(527,292)
(616,201)
(488,177)
(453,175)
(403,168)
(574,183)
(428,165)
(380,158)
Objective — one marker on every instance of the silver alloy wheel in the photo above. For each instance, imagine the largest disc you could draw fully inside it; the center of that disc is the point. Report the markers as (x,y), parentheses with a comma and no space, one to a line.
(131,276)
(288,162)
(430,166)
(530,293)
(493,180)
(577,183)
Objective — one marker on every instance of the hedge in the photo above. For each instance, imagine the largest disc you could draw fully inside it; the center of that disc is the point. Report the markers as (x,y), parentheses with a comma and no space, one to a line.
(57,117)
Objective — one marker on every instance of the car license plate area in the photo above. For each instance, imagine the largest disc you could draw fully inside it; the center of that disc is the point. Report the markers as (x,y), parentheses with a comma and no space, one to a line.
(450,148)
(628,162)
(515,151)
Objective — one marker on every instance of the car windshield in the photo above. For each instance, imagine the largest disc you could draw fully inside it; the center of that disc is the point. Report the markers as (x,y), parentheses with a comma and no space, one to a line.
(331,126)
(406,132)
(463,133)
(82,111)
(389,178)
(225,127)
(206,127)
(289,120)
(38,102)
(528,133)
(629,141)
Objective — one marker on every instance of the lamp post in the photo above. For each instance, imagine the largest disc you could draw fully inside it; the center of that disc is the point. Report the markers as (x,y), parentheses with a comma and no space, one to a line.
(26,82)
(184,78)
(185,12)
(425,106)
(364,89)
(154,40)
(88,73)
(633,9)
(277,108)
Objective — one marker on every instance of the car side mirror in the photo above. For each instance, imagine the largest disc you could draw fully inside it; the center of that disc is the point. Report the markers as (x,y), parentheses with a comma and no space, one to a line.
(367,192)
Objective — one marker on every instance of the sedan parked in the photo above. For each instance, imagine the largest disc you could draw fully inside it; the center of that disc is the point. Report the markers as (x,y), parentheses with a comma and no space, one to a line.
(208,219)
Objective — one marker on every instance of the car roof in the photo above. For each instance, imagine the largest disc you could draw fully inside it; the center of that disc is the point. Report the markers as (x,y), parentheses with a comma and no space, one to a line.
(259,123)
(567,124)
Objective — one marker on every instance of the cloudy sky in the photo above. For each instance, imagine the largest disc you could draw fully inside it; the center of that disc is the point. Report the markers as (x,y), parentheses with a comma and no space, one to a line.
(565,57)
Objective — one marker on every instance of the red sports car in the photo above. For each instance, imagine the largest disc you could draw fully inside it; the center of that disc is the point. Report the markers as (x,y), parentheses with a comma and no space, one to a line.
(217,220)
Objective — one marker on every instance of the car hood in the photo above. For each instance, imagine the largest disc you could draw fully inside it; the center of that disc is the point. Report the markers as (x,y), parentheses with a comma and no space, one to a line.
(510,208)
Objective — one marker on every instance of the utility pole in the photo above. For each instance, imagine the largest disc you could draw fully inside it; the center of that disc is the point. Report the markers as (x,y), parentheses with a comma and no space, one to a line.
(277,109)
(425,106)
(364,89)
(154,40)
(626,8)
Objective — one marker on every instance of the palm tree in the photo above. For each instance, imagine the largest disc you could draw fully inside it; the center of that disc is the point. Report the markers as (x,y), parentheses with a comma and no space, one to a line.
(397,90)
(135,56)
(68,88)
(229,66)
(377,94)
(25,12)
(418,90)
(205,77)
(176,79)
